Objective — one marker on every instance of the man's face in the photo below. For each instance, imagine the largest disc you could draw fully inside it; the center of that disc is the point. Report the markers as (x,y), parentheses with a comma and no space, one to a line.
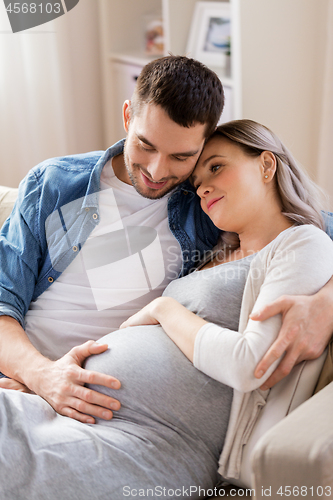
(159,154)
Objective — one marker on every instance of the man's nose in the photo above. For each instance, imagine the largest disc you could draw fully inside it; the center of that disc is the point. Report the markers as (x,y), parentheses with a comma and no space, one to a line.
(158,168)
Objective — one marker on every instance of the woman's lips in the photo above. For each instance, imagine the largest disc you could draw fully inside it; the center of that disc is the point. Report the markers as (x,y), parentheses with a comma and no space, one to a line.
(151,184)
(212,202)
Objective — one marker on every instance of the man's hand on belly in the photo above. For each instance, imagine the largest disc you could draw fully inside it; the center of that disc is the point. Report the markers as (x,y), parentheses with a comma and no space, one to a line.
(61,384)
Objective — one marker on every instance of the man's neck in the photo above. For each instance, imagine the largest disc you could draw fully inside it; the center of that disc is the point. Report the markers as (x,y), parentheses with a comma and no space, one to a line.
(119,169)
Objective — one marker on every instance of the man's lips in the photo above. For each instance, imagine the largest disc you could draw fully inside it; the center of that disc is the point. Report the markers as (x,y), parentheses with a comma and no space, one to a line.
(151,184)
(212,202)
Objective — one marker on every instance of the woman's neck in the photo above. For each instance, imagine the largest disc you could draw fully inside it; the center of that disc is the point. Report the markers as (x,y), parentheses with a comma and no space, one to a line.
(261,234)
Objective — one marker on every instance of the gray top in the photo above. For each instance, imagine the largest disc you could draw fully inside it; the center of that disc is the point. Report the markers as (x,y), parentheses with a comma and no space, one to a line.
(169,431)
(215,294)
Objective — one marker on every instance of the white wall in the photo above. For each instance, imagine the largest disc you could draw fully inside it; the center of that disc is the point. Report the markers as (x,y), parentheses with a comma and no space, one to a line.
(50,91)
(283,47)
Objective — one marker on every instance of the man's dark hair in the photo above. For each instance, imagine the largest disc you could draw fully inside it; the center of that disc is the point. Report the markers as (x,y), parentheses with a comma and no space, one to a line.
(186,89)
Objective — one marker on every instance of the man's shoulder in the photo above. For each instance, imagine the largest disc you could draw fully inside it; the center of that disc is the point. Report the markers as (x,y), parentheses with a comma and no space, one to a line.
(74,164)
(328,219)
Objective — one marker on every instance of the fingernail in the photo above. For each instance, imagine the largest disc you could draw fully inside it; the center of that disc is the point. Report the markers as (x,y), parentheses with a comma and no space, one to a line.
(106,415)
(90,421)
(260,374)
(264,388)
(114,406)
(114,385)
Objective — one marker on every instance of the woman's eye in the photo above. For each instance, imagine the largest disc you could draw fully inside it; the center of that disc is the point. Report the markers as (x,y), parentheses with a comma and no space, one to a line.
(214,168)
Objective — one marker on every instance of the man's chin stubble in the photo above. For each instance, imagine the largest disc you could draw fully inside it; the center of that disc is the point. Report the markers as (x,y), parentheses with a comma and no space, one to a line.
(151,194)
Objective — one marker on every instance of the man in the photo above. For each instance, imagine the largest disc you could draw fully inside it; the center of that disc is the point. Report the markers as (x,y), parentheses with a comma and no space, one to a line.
(77,260)
(95,237)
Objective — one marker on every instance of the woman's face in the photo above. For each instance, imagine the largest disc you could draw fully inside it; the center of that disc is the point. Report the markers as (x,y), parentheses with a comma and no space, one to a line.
(230,184)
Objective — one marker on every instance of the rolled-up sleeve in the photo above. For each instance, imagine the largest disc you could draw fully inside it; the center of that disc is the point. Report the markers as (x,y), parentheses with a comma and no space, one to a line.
(20,252)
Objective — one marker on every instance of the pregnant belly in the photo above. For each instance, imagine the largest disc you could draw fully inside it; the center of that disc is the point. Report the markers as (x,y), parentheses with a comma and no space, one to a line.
(160,386)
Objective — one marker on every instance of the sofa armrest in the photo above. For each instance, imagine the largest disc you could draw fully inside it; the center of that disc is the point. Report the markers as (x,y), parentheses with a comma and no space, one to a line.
(298,451)
(7,199)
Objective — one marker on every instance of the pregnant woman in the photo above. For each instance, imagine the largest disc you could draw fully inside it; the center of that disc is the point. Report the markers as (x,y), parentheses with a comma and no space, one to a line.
(188,387)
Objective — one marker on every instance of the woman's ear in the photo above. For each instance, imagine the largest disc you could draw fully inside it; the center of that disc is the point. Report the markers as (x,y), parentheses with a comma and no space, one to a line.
(268,160)
(126,114)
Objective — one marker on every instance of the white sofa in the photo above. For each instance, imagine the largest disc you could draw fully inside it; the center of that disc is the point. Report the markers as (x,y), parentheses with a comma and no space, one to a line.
(291,444)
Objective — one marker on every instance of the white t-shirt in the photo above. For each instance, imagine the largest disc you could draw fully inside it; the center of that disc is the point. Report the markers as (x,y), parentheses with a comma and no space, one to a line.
(127,261)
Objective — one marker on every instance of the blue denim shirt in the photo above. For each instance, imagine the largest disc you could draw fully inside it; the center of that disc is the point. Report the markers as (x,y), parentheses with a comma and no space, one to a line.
(57,209)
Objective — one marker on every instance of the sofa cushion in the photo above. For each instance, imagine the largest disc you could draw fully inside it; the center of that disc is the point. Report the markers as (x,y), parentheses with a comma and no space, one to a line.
(298,452)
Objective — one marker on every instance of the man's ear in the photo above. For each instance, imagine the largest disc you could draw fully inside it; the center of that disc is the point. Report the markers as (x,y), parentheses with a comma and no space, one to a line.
(126,115)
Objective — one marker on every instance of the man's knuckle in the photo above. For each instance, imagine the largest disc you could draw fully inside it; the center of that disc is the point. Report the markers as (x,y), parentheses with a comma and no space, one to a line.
(57,401)
(89,396)
(303,346)
(89,377)
(314,352)
(80,406)
(74,350)
(284,370)
(275,352)
(71,372)
(70,412)
(65,388)
(291,333)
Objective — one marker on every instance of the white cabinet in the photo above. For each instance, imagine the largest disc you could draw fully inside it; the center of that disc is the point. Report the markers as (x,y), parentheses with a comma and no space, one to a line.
(123,55)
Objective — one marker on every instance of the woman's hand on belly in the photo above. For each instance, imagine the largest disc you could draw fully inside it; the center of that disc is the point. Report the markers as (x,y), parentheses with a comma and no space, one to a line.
(180,324)
(146,316)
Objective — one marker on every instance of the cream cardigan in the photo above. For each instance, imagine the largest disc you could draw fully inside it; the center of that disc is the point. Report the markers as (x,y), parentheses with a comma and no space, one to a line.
(298,261)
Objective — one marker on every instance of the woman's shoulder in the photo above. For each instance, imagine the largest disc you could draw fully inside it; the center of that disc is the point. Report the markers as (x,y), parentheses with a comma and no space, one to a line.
(304,246)
(304,235)
(303,243)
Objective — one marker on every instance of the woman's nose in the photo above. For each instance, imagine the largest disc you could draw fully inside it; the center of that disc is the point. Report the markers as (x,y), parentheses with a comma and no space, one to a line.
(203,190)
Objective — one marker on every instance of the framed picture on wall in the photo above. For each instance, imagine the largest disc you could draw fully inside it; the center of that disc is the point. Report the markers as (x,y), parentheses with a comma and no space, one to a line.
(210,34)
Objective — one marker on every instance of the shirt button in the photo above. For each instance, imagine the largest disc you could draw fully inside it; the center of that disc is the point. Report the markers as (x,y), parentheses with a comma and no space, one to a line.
(87,209)
(95,216)
(185,192)
(75,249)
(50,279)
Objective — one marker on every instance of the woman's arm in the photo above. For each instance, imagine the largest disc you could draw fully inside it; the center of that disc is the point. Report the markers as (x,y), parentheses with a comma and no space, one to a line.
(298,266)
(180,324)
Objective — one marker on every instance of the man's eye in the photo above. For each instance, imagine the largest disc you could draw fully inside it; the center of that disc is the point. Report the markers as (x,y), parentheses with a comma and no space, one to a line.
(145,148)
(181,158)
